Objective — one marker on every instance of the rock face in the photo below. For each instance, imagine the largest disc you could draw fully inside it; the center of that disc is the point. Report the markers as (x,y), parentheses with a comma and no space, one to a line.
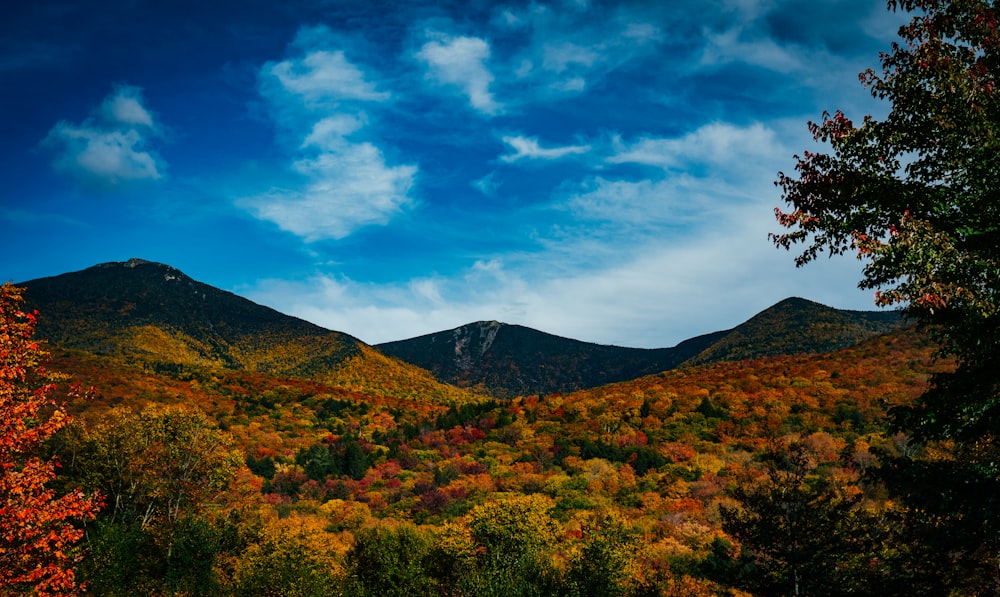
(472,342)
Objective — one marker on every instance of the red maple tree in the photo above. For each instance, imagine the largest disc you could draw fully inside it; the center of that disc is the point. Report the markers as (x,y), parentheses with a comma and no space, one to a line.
(37,536)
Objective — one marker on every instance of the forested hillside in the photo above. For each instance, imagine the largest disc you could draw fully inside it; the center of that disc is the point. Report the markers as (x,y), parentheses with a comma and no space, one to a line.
(238,451)
(223,481)
(509,360)
(156,318)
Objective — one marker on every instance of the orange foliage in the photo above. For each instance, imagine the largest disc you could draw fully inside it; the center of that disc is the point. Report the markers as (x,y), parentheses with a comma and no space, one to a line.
(36,536)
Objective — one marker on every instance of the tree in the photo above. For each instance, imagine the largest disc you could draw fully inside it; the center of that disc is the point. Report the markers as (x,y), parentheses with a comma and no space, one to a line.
(601,567)
(286,558)
(391,560)
(165,472)
(792,526)
(513,536)
(37,537)
(917,196)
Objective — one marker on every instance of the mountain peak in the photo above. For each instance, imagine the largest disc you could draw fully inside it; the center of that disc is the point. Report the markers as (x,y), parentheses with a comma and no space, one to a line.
(148,310)
(798,326)
(170,272)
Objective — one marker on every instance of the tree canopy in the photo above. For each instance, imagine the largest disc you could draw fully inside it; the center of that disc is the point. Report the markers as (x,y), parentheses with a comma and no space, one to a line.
(916,196)
(37,537)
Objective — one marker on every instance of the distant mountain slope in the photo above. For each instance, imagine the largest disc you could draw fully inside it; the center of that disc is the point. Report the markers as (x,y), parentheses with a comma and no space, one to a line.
(155,316)
(509,360)
(798,326)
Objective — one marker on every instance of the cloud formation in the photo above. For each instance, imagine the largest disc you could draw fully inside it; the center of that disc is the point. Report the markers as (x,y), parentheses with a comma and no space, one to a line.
(111,146)
(321,76)
(460,61)
(719,144)
(529,148)
(566,50)
(340,181)
(347,186)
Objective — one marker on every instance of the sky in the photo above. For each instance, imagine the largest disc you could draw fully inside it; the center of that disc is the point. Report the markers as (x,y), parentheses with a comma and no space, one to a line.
(603,171)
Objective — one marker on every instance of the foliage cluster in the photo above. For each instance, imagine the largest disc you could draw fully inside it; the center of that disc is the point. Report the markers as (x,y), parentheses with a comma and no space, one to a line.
(37,535)
(917,196)
(621,490)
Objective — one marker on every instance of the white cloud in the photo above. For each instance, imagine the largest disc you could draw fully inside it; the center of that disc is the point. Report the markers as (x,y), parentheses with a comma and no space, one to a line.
(461,62)
(529,148)
(321,76)
(125,107)
(347,186)
(110,155)
(645,203)
(557,57)
(568,51)
(340,179)
(731,46)
(487,185)
(717,143)
(331,130)
(110,147)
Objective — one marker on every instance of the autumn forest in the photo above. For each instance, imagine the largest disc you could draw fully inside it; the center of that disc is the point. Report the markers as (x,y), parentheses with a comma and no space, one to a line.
(159,436)
(373,478)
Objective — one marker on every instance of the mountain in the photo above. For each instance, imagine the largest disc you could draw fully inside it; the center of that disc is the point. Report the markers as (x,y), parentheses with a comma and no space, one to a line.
(797,326)
(154,316)
(509,360)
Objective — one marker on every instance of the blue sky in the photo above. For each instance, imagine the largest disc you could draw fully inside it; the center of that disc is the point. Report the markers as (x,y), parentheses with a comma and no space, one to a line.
(598,170)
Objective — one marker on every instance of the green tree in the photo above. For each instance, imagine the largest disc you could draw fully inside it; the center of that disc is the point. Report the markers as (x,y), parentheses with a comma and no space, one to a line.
(391,561)
(600,568)
(917,197)
(797,530)
(162,469)
(283,565)
(513,537)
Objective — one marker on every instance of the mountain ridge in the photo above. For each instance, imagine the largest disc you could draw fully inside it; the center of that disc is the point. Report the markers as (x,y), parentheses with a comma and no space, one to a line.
(155,315)
(506,361)
(509,360)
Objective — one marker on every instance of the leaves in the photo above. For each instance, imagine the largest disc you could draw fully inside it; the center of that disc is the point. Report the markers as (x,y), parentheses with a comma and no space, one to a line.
(37,537)
(917,196)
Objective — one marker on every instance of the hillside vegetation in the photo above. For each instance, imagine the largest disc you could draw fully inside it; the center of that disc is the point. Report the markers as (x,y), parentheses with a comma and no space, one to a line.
(291,460)
(641,471)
